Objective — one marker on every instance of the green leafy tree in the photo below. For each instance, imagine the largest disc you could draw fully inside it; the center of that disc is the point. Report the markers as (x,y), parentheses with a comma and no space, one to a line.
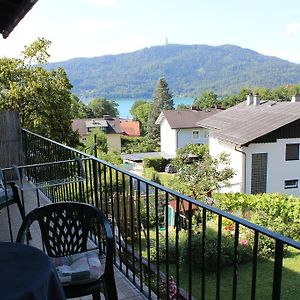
(162,99)
(232,100)
(138,144)
(264,93)
(140,112)
(204,175)
(96,144)
(99,107)
(192,150)
(42,98)
(206,100)
(78,108)
(97,139)
(182,106)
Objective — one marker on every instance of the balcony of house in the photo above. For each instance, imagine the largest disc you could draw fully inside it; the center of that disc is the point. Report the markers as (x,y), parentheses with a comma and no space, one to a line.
(167,245)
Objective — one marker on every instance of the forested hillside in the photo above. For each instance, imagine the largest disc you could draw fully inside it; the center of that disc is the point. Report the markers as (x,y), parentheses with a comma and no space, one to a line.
(188,69)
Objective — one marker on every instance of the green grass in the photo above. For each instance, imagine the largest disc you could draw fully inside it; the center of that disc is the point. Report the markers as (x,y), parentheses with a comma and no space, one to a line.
(290,278)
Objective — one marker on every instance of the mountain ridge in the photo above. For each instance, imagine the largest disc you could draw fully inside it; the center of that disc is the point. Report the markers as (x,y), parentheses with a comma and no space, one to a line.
(188,69)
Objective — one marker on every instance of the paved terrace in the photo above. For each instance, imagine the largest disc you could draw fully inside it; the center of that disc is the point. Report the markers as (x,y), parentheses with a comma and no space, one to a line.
(125,289)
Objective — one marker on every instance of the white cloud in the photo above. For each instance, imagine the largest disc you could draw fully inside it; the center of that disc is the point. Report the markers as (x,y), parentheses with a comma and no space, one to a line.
(291,29)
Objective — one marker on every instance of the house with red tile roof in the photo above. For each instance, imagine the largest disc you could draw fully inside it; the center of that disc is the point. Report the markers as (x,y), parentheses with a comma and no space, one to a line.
(130,127)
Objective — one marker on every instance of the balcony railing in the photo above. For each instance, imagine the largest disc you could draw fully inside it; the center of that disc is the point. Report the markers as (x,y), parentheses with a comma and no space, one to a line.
(168,245)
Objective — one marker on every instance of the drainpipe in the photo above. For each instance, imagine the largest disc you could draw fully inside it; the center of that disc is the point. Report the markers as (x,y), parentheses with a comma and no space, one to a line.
(244,169)
(177,139)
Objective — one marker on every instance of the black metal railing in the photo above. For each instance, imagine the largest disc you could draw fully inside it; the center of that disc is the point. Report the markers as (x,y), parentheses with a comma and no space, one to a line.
(169,245)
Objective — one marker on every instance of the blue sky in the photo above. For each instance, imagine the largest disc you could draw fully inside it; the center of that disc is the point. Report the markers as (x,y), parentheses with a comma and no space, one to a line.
(84,28)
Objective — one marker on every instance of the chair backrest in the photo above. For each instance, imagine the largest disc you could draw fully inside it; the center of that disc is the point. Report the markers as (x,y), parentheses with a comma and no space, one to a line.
(66,226)
(1,179)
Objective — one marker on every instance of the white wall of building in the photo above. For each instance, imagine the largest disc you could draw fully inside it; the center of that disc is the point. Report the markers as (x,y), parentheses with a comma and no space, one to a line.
(196,135)
(172,139)
(168,139)
(216,147)
(278,169)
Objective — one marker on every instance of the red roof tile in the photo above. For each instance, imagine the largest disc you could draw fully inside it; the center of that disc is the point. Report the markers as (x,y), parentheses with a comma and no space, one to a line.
(130,127)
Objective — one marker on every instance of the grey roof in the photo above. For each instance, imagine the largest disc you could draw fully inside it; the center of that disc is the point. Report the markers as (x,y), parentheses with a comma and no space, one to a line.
(185,118)
(96,123)
(11,12)
(244,123)
(111,124)
(140,156)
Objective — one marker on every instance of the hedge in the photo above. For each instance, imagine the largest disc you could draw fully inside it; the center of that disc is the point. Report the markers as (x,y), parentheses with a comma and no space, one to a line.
(158,164)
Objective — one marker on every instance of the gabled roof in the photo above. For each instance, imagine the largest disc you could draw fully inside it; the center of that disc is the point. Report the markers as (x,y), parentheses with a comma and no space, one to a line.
(11,12)
(112,125)
(185,118)
(244,123)
(130,127)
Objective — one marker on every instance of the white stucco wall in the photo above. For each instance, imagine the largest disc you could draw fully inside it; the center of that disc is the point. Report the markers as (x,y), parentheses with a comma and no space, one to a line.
(172,139)
(236,162)
(185,136)
(168,139)
(278,169)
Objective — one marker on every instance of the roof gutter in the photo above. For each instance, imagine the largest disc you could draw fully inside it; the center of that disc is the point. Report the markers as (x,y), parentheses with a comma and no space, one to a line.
(244,181)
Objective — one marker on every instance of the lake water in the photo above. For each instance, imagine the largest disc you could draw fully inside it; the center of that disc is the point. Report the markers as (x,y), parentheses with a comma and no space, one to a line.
(126,104)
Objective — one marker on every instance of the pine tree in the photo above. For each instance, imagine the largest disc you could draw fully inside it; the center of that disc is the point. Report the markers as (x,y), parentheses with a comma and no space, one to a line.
(162,99)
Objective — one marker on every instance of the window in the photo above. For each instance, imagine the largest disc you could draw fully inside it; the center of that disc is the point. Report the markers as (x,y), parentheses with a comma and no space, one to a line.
(292,152)
(259,173)
(195,134)
(206,135)
(291,184)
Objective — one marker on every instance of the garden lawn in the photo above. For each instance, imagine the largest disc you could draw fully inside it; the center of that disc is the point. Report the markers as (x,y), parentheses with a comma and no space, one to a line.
(290,280)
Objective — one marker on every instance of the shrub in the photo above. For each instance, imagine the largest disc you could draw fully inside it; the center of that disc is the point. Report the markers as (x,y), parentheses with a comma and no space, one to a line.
(158,164)
(137,144)
(279,213)
(151,174)
(210,254)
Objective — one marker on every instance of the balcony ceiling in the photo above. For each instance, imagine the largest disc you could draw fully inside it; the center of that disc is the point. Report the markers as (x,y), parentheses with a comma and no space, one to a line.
(11,12)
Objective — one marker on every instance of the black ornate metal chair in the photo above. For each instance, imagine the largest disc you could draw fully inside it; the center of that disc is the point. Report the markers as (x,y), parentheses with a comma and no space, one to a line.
(68,228)
(9,196)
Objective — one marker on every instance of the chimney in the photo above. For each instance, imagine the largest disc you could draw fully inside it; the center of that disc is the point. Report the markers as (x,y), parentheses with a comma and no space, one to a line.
(256,100)
(296,98)
(250,99)
(107,117)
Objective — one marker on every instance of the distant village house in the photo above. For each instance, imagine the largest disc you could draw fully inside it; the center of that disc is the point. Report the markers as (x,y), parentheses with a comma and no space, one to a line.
(109,125)
(179,128)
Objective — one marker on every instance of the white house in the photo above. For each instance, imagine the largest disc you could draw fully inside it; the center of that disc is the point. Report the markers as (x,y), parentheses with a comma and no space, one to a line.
(179,128)
(262,138)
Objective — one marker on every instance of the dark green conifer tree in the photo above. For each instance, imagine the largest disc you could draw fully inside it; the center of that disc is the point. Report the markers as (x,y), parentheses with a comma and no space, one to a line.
(162,99)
